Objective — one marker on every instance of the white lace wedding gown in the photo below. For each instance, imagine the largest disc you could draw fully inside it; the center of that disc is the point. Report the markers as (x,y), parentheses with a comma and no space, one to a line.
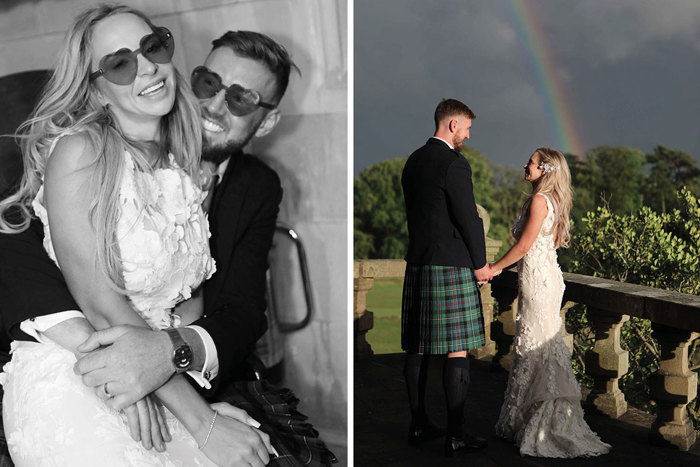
(50,417)
(542,410)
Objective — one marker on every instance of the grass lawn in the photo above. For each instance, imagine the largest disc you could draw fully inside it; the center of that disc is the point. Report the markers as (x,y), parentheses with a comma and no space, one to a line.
(384,299)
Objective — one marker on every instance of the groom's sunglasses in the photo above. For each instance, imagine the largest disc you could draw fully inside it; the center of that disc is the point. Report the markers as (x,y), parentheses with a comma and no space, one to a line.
(122,66)
(239,100)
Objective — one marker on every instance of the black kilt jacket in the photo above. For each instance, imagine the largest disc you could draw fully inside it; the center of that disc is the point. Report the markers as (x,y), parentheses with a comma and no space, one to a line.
(444,228)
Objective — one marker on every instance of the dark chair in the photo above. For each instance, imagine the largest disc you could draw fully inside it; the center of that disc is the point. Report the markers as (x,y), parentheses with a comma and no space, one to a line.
(18,95)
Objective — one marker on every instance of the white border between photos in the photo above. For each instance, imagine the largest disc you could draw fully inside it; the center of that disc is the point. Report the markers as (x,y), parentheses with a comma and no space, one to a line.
(350,217)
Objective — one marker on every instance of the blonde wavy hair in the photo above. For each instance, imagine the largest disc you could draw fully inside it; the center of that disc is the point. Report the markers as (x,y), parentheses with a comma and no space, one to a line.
(69,105)
(557,185)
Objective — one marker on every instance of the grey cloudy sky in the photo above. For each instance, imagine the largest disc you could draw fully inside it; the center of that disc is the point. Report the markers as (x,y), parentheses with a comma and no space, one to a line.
(630,70)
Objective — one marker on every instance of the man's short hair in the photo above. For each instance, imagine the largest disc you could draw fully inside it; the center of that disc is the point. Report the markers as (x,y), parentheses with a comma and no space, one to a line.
(260,47)
(451,108)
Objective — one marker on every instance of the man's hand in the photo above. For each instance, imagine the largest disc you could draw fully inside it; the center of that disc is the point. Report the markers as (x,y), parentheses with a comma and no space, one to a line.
(233,442)
(136,362)
(484,274)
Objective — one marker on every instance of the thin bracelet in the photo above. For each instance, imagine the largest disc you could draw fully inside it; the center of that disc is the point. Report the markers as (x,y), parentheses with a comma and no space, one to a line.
(211,427)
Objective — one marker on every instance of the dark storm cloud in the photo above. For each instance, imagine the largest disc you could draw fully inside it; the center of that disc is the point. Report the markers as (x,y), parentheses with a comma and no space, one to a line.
(629,68)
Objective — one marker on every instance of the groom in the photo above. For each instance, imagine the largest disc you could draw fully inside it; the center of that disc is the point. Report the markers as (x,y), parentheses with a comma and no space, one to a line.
(446,259)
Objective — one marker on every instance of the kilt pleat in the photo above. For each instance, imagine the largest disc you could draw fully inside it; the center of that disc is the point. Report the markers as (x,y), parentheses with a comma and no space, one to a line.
(441,310)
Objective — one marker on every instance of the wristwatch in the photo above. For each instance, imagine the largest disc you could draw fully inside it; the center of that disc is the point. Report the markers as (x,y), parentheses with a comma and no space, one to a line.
(182,353)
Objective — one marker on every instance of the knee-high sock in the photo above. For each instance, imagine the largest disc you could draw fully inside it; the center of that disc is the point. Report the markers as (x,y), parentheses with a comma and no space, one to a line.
(455,380)
(415,371)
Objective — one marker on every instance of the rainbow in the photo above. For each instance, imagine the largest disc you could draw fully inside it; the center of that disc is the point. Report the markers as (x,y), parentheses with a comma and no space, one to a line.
(541,62)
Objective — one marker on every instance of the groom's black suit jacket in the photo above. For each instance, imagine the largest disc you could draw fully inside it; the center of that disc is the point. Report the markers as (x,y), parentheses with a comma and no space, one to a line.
(242,223)
(444,228)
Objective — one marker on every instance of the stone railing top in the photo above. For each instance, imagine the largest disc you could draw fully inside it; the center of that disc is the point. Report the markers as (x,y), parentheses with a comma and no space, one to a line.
(374,268)
(666,307)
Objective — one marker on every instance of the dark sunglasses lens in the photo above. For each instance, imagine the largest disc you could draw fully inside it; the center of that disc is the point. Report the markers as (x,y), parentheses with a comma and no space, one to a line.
(119,67)
(241,101)
(158,47)
(204,84)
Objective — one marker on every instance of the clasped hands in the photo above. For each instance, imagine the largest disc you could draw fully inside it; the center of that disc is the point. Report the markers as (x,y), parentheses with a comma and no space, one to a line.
(486,273)
(125,364)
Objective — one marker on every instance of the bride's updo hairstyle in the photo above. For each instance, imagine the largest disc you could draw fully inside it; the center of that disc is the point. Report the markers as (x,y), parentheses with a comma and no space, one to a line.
(556,184)
(69,104)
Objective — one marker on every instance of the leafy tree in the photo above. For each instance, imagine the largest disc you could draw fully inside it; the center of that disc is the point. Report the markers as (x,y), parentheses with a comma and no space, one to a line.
(363,246)
(584,200)
(481,178)
(670,170)
(510,190)
(612,174)
(380,214)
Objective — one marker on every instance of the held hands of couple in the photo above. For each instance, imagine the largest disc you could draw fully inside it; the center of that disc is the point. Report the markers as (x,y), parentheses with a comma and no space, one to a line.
(486,273)
(101,370)
(145,419)
(110,358)
(147,423)
(235,438)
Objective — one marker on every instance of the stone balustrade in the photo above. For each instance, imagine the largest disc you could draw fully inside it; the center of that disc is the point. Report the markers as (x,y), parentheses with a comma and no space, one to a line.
(675,321)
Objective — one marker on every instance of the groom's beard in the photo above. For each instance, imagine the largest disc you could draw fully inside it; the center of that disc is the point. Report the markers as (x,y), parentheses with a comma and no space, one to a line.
(219,153)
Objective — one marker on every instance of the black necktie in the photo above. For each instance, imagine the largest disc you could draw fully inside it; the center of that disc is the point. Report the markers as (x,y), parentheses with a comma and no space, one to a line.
(211,196)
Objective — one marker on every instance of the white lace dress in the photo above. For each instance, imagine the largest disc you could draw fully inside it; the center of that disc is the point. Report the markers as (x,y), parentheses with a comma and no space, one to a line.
(542,410)
(50,417)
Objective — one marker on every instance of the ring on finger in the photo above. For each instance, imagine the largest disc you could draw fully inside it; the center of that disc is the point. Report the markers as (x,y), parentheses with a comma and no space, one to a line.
(104,388)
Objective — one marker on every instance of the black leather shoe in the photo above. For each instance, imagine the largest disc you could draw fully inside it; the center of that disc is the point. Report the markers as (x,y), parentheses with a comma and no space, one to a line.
(420,433)
(466,444)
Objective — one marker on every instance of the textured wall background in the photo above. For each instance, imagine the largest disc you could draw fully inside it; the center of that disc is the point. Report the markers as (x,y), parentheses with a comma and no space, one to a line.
(308,150)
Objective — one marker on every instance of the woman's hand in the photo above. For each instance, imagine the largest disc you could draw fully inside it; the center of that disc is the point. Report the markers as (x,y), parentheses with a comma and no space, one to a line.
(147,423)
(233,442)
(241,415)
(494,270)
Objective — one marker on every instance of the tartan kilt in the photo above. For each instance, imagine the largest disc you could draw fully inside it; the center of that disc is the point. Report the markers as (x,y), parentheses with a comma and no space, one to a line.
(441,310)
(297,442)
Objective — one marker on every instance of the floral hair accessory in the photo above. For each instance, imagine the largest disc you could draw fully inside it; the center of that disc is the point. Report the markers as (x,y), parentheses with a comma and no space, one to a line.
(548,168)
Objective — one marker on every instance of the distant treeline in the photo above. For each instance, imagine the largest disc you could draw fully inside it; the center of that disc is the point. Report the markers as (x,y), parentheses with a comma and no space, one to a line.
(624,179)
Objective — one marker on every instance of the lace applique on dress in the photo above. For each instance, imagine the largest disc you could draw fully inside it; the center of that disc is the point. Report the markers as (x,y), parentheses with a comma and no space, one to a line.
(163,239)
(542,411)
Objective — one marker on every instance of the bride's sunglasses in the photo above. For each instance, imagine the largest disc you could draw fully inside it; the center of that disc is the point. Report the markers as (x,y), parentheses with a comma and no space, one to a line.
(122,66)
(239,100)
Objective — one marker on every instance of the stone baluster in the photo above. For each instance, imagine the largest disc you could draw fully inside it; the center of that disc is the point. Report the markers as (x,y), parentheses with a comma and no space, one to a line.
(363,319)
(673,386)
(606,363)
(489,349)
(568,338)
(503,330)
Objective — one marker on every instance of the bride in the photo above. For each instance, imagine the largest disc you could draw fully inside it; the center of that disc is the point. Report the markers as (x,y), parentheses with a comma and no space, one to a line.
(542,410)
(111,167)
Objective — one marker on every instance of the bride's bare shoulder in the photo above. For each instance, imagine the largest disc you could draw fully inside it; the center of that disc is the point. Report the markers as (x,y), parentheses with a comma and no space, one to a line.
(538,203)
(71,153)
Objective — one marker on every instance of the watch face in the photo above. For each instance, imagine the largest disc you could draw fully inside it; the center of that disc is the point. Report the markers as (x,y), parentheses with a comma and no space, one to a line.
(183,357)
